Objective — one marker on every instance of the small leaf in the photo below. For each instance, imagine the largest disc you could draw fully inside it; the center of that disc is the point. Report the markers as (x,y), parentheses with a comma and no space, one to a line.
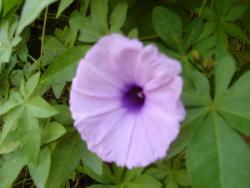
(224,70)
(52,131)
(29,136)
(144,181)
(118,17)
(11,167)
(235,12)
(168,26)
(30,11)
(194,31)
(235,31)
(99,15)
(92,161)
(62,69)
(62,6)
(14,100)
(40,171)
(31,84)
(65,159)
(39,108)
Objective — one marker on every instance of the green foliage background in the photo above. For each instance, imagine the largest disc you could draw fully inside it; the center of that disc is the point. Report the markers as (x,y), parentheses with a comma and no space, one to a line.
(41,42)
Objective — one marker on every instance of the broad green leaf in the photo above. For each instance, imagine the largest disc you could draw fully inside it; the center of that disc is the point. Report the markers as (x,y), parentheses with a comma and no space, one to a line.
(0,6)
(7,40)
(11,167)
(40,108)
(221,37)
(62,6)
(52,131)
(14,100)
(63,68)
(103,186)
(168,26)
(29,136)
(9,5)
(217,156)
(30,11)
(58,89)
(182,178)
(63,116)
(144,181)
(10,122)
(235,31)
(208,29)
(65,159)
(132,174)
(224,70)
(235,104)
(92,161)
(194,30)
(105,178)
(8,146)
(118,17)
(87,31)
(52,48)
(235,12)
(31,84)
(99,15)
(40,171)
(190,126)
(206,13)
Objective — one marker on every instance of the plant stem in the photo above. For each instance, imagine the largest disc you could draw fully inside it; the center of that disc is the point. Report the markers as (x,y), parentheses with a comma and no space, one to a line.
(43,32)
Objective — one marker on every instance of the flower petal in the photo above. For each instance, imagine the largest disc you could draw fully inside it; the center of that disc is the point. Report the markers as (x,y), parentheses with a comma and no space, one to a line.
(109,136)
(82,105)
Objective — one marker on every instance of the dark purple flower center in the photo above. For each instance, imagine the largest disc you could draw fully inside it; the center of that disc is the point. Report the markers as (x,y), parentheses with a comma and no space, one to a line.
(133,98)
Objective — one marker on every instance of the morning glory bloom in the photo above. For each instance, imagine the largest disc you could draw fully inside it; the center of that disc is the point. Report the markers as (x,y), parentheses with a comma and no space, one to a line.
(125,101)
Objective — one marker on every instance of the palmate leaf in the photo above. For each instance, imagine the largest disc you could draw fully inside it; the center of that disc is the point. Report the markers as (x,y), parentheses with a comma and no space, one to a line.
(217,155)
(233,102)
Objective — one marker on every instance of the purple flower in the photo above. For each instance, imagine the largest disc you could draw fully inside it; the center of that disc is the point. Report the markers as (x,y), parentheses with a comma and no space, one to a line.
(125,101)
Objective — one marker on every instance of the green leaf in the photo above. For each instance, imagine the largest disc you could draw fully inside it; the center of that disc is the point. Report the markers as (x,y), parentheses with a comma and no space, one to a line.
(52,48)
(11,167)
(62,6)
(207,13)
(14,100)
(168,26)
(65,159)
(235,104)
(194,30)
(63,116)
(235,31)
(63,68)
(144,181)
(40,171)
(99,15)
(30,11)
(92,161)
(218,157)
(235,12)
(7,40)
(87,31)
(118,17)
(31,84)
(39,108)
(10,122)
(8,146)
(52,131)
(208,29)
(9,5)
(224,70)
(29,136)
